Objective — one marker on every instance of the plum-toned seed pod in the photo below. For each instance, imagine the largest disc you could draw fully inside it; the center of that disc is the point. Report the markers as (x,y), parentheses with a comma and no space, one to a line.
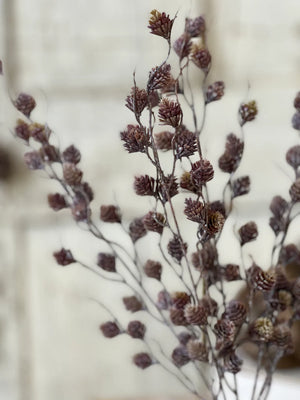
(135,139)
(180,356)
(163,300)
(154,222)
(196,314)
(260,279)
(293,156)
(107,262)
(110,329)
(225,329)
(295,191)
(110,213)
(296,121)
(236,312)
(177,317)
(185,144)
(278,206)
(169,112)
(241,186)
(248,112)
(202,172)
(184,337)
(22,130)
(176,248)
(232,272)
(214,92)
(163,140)
(232,363)
(71,154)
(64,257)
(282,336)
(197,350)
(72,174)
(227,163)
(180,299)
(160,24)
(142,360)
(137,101)
(144,185)
(183,46)
(201,58)
(33,160)
(194,210)
(159,77)
(137,229)
(136,329)
(57,201)
(195,26)
(25,104)
(153,269)
(248,232)
(132,303)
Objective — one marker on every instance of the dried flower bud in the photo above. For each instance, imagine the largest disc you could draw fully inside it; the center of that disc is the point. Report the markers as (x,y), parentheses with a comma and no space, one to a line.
(248,112)
(22,130)
(177,317)
(260,279)
(225,329)
(202,172)
(214,92)
(142,360)
(160,24)
(278,206)
(169,112)
(185,144)
(110,213)
(197,350)
(154,222)
(186,182)
(163,140)
(277,225)
(25,104)
(57,201)
(184,337)
(39,132)
(135,139)
(137,229)
(144,185)
(107,262)
(72,174)
(79,208)
(180,299)
(159,77)
(136,329)
(297,102)
(296,121)
(71,155)
(217,205)
(215,222)
(180,356)
(248,232)
(137,101)
(232,272)
(262,329)
(195,27)
(201,58)
(33,160)
(176,248)
(295,191)
(241,186)
(227,163)
(110,329)
(236,312)
(153,269)
(64,257)
(183,46)
(132,303)
(232,363)
(163,300)
(195,314)
(168,189)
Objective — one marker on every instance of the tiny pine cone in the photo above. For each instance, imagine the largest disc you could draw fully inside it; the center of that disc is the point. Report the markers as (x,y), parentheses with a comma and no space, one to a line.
(195,27)
(154,221)
(137,229)
(228,163)
(180,356)
(153,269)
(144,185)
(64,257)
(241,186)
(214,92)
(180,299)
(262,329)
(232,272)
(248,232)
(282,336)
(137,101)
(22,130)
(186,182)
(110,329)
(295,191)
(260,279)
(132,303)
(135,139)
(232,363)
(57,201)
(110,213)
(177,317)
(197,350)
(142,360)
(71,155)
(25,104)
(210,305)
(183,46)
(170,112)
(202,172)
(201,58)
(136,329)
(185,144)
(248,112)
(168,188)
(72,174)
(225,329)
(176,248)
(215,222)
(159,77)
(160,24)
(196,314)
(163,140)
(236,312)
(107,262)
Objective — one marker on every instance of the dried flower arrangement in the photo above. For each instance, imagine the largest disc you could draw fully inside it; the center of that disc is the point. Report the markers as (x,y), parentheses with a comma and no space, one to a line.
(210,326)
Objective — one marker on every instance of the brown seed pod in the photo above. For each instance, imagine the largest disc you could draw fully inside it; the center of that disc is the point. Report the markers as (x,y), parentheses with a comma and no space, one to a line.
(160,24)
(262,329)
(232,272)
(236,312)
(39,132)
(183,46)
(110,213)
(25,104)
(153,269)
(195,27)
(136,329)
(186,182)
(57,201)
(180,356)
(33,160)
(260,279)
(168,188)
(180,299)
(163,140)
(197,350)
(144,185)
(132,303)
(278,206)
(185,144)
(135,139)
(64,257)
(110,329)
(169,112)
(142,360)
(248,112)
(107,262)
(293,156)
(194,210)
(137,101)
(241,186)
(248,232)
(71,154)
(72,174)
(176,248)
(201,58)
(159,77)
(225,329)
(196,314)
(177,317)
(232,363)
(137,229)
(202,172)
(22,130)
(163,300)
(214,92)
(154,222)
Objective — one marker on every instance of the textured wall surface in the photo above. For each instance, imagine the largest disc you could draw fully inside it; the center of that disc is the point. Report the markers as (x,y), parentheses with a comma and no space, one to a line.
(77,59)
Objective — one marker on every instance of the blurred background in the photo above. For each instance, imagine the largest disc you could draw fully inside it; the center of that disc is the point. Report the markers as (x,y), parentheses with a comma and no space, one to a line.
(77,58)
